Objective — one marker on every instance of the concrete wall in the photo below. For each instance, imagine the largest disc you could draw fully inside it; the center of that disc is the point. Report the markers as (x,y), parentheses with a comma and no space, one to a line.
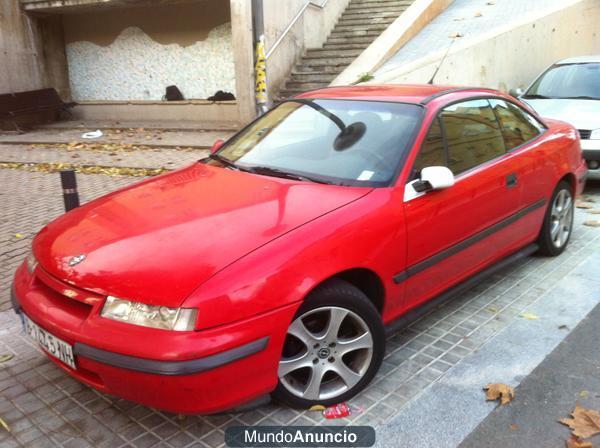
(310,31)
(31,52)
(513,56)
(135,53)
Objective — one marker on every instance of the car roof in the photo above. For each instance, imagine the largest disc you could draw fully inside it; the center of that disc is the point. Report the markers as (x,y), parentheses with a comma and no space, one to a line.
(579,60)
(405,93)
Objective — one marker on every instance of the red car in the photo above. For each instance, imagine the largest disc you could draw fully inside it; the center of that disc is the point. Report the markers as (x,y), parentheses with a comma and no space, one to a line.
(277,264)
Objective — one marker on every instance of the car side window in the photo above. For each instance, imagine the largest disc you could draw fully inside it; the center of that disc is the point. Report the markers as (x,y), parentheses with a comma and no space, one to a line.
(433,151)
(472,134)
(518,127)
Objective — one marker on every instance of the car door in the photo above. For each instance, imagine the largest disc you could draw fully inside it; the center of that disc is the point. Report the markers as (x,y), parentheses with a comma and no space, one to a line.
(454,232)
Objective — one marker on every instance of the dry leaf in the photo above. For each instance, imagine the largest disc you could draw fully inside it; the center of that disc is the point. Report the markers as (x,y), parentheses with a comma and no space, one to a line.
(584,205)
(490,3)
(4,358)
(456,35)
(459,19)
(317,407)
(585,422)
(529,316)
(574,442)
(493,309)
(592,223)
(4,425)
(584,393)
(563,327)
(478,14)
(514,427)
(594,212)
(499,391)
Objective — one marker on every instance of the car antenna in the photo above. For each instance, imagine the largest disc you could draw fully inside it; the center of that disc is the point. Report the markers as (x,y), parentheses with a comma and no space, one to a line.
(441,62)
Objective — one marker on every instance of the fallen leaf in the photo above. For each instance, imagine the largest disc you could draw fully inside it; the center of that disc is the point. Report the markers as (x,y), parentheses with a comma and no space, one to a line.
(514,427)
(594,212)
(529,316)
(4,358)
(493,309)
(317,407)
(459,19)
(592,223)
(584,393)
(499,391)
(4,425)
(456,35)
(588,198)
(584,205)
(585,422)
(574,442)
(490,3)
(478,14)
(563,327)
(19,235)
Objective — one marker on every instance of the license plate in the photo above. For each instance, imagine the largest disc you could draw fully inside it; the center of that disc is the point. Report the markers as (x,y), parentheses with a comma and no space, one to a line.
(50,343)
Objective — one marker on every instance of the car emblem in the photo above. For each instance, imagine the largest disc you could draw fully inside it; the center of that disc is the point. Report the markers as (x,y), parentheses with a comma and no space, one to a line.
(76,260)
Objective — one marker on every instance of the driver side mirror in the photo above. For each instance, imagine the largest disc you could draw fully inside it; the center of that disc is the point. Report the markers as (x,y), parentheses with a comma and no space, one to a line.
(434,178)
(216,146)
(516,92)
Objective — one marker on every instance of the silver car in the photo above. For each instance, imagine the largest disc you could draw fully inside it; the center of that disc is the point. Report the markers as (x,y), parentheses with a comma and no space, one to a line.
(569,90)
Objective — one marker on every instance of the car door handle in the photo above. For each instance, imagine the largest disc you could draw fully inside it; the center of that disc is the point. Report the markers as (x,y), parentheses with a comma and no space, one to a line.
(511,180)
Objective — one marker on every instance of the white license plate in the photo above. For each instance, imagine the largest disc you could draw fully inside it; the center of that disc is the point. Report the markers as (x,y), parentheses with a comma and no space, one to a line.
(50,343)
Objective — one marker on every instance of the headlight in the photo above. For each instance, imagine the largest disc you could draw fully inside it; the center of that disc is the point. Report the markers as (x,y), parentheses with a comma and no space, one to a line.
(31,262)
(595,135)
(178,319)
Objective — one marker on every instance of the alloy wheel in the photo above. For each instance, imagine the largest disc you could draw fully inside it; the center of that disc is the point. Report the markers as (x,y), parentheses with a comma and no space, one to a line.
(327,351)
(561,218)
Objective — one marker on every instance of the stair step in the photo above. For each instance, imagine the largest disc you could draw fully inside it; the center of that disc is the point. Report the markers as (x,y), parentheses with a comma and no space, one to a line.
(352,27)
(376,7)
(344,46)
(372,14)
(312,77)
(355,40)
(349,34)
(325,62)
(332,53)
(366,22)
(377,3)
(309,69)
(287,93)
(291,85)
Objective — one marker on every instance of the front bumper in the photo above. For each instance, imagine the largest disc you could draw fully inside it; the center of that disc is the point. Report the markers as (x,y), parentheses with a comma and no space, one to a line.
(195,372)
(591,150)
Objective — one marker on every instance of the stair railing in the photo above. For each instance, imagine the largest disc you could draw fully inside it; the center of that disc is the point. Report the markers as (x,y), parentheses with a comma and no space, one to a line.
(292,23)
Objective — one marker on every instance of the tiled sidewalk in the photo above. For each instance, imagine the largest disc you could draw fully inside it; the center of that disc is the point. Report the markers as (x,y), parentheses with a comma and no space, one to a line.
(44,407)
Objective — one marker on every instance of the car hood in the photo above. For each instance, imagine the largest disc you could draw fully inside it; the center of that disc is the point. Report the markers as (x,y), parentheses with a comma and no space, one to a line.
(583,114)
(160,239)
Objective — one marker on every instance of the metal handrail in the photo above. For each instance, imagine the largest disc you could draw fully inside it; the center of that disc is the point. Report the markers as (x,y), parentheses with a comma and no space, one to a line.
(291,25)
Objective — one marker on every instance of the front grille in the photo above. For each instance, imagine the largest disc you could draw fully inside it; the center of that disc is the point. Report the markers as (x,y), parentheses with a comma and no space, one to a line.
(585,134)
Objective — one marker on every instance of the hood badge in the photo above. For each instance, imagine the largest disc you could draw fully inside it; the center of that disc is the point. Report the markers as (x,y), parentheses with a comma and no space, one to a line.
(76,260)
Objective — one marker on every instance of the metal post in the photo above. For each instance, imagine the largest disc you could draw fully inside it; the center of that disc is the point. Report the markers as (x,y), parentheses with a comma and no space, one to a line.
(260,58)
(69,186)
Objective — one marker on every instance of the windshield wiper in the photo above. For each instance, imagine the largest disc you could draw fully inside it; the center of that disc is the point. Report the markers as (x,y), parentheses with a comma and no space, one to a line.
(535,96)
(225,161)
(581,97)
(275,172)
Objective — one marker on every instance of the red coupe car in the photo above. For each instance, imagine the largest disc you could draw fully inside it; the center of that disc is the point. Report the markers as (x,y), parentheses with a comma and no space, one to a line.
(277,264)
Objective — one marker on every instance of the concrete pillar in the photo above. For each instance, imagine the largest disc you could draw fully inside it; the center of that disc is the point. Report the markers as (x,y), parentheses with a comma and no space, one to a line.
(243,53)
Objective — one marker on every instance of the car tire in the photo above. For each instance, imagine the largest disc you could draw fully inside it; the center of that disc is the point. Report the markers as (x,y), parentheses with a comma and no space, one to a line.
(558,222)
(337,335)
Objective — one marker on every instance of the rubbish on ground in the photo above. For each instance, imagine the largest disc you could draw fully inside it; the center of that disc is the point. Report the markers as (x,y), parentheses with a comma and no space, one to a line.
(529,316)
(585,422)
(94,134)
(340,410)
(317,407)
(4,425)
(592,223)
(4,358)
(499,391)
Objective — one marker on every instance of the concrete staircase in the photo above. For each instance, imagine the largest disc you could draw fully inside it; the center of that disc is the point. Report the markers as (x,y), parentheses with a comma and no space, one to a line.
(360,24)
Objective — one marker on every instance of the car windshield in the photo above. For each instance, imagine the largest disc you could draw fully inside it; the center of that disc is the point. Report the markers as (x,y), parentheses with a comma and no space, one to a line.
(572,81)
(358,143)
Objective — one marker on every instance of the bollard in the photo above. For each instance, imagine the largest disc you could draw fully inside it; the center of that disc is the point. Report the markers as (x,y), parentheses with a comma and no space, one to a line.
(69,186)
